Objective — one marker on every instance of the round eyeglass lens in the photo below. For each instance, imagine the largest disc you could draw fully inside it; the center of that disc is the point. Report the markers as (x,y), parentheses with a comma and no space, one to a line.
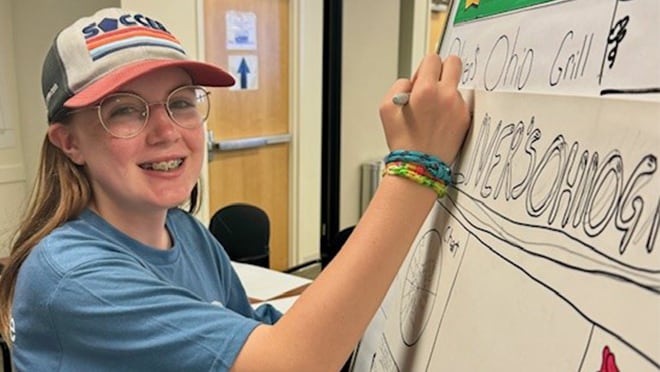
(188,106)
(123,114)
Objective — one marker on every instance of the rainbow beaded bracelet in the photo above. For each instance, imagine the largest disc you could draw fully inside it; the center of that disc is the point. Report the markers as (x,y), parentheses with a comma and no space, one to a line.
(409,171)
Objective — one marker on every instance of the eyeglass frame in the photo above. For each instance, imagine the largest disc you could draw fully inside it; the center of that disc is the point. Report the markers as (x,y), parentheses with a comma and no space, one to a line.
(147,105)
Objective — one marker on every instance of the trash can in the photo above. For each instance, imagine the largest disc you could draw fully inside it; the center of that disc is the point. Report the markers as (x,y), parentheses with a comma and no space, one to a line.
(369,180)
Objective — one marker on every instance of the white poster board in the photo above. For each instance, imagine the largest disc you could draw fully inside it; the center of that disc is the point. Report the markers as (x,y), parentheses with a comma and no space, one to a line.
(592,47)
(544,257)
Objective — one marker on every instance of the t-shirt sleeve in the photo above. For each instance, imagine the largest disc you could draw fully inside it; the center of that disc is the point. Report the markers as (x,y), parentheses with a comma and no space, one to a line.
(268,314)
(114,309)
(238,300)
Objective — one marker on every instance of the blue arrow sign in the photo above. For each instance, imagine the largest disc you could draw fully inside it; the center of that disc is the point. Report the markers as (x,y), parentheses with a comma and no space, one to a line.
(244,70)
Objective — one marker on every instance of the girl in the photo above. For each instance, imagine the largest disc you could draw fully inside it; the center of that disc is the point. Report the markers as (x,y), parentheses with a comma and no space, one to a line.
(108,273)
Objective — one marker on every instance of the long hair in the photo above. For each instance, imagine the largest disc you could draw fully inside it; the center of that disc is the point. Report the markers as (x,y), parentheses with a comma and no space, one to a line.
(61,192)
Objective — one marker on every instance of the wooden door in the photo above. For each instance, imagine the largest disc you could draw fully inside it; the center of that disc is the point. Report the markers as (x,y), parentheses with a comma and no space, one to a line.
(437,20)
(259,108)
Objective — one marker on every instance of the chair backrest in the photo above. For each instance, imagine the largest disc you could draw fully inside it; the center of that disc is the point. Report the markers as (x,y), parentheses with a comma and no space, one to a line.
(244,232)
(4,348)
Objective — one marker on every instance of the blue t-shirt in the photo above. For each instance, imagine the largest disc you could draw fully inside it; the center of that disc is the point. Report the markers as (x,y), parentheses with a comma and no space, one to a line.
(91,298)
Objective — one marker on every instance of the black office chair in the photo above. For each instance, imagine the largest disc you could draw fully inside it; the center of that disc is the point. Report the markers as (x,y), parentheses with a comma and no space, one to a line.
(4,348)
(6,356)
(244,231)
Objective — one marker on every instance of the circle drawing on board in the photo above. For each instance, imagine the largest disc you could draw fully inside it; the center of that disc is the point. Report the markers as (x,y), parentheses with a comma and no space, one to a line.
(420,287)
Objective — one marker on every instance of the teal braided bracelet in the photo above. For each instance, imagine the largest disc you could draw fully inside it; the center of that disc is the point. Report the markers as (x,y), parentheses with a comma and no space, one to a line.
(433,165)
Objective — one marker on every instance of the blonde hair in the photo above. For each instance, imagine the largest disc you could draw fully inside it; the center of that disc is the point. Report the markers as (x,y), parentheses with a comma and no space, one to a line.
(61,192)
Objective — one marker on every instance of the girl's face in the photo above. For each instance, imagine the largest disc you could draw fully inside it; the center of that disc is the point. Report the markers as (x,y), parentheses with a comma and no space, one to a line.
(151,172)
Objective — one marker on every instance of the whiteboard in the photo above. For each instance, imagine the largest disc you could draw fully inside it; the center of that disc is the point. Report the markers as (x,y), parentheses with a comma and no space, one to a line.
(544,255)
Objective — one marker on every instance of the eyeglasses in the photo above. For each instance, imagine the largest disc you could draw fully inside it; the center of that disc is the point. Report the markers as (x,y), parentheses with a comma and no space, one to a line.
(125,115)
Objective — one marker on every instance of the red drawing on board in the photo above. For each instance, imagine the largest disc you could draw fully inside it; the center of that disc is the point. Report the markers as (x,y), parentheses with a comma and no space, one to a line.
(609,362)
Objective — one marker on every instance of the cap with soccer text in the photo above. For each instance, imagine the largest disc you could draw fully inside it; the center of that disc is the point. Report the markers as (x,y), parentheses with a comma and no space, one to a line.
(96,55)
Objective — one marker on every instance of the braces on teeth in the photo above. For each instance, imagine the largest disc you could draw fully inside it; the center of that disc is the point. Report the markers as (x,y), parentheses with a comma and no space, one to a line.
(166,165)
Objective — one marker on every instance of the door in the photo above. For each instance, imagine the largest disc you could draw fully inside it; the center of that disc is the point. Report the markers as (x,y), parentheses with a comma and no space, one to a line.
(250,122)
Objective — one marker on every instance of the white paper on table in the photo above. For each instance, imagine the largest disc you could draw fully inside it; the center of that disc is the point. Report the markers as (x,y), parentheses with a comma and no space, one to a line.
(281,304)
(263,284)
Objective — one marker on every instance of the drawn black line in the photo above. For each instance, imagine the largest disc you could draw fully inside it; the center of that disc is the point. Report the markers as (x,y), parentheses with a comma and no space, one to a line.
(652,90)
(564,233)
(383,358)
(449,294)
(419,287)
(548,287)
(586,348)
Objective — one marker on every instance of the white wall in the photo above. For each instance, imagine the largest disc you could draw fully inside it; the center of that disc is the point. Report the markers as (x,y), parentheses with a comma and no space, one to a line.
(306,112)
(35,24)
(12,166)
(27,28)
(370,65)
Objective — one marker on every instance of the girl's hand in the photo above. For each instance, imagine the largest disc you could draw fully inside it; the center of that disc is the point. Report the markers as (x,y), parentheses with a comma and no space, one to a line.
(436,118)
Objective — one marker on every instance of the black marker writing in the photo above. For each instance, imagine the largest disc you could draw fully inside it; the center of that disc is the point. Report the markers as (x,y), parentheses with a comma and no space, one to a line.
(569,186)
(570,61)
(506,66)
(617,33)
(469,62)
(448,238)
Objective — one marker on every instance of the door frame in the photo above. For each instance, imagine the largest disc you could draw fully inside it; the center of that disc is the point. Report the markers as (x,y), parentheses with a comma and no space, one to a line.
(305,74)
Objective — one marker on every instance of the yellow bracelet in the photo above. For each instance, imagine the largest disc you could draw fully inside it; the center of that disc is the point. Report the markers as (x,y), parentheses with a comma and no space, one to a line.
(402,170)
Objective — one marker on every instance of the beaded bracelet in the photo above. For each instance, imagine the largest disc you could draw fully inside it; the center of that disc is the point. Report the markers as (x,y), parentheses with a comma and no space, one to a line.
(407,170)
(414,168)
(432,164)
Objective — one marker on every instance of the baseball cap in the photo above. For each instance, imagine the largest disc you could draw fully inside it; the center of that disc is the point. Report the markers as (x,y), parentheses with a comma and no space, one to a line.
(96,55)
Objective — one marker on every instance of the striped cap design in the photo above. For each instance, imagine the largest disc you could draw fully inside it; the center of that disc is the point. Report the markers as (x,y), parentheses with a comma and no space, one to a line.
(134,36)
(96,55)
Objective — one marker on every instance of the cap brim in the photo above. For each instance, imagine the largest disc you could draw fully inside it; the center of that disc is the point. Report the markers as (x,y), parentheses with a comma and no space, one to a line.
(201,73)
